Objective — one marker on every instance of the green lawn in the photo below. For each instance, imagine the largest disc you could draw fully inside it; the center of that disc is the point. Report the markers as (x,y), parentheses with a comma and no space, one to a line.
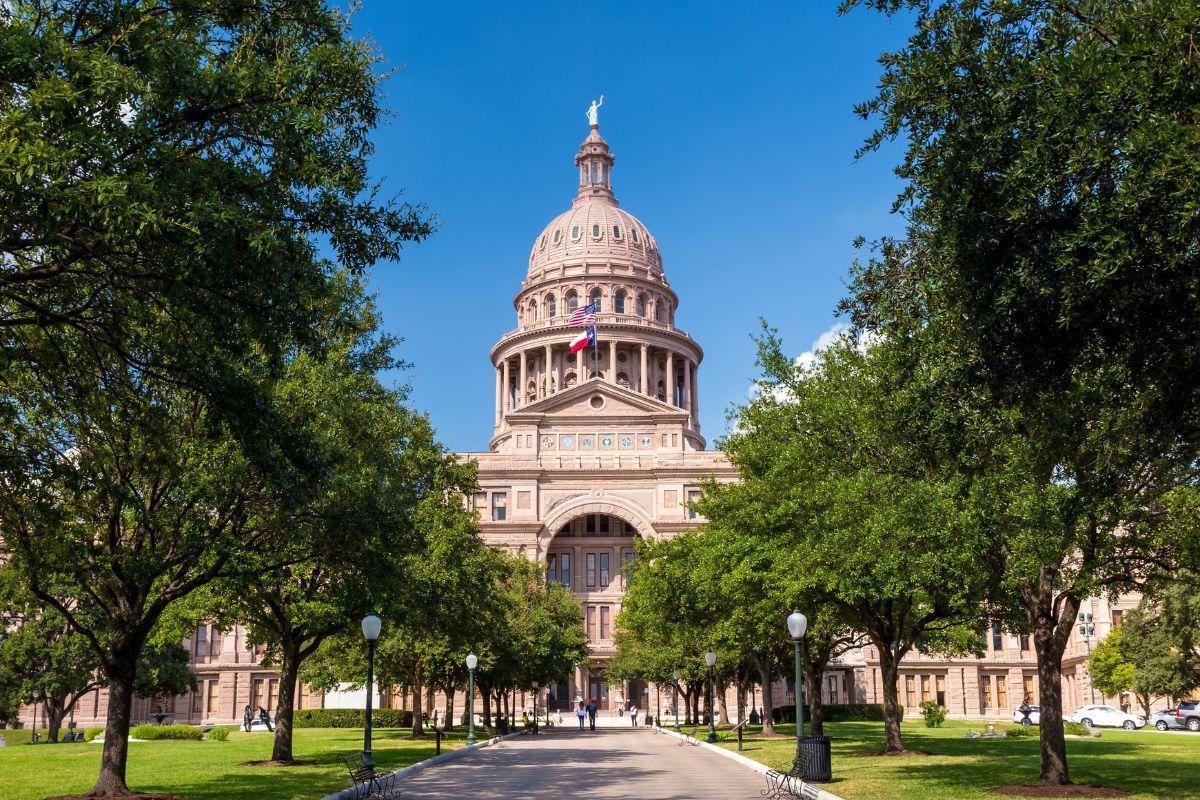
(209,770)
(1146,763)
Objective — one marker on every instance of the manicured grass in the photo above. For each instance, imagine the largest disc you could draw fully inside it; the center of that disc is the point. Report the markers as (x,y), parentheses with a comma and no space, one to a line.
(1147,763)
(209,770)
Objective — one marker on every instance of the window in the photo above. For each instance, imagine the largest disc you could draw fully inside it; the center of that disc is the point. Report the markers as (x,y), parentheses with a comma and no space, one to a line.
(591,623)
(551,306)
(499,506)
(997,638)
(543,245)
(575,233)
(256,693)
(627,570)
(1023,641)
(619,303)
(572,301)
(201,641)
(1116,617)
(557,237)
(926,694)
(596,299)
(831,687)
(1029,689)
(604,612)
(616,232)
(986,695)
(552,568)
(604,572)
(941,690)
(693,496)
(641,305)
(532,310)
(635,236)
(214,642)
(910,687)
(596,231)
(213,689)
(564,569)
(590,562)
(1001,691)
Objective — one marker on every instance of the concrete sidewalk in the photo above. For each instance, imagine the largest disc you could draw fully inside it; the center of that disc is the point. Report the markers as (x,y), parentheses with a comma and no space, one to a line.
(608,764)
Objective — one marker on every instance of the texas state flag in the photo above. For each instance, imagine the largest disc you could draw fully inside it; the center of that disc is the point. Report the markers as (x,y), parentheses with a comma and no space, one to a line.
(586,338)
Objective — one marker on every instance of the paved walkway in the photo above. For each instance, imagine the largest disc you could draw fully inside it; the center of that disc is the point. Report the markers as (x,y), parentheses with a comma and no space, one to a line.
(608,764)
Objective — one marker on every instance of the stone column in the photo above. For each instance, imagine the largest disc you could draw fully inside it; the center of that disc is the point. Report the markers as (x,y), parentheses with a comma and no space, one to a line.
(695,397)
(507,387)
(644,375)
(670,377)
(687,387)
(546,372)
(612,361)
(524,373)
(499,394)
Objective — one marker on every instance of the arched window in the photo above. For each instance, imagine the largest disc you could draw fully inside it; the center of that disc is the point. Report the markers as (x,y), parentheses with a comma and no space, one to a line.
(596,231)
(635,236)
(641,305)
(575,233)
(551,306)
(533,311)
(622,380)
(558,237)
(572,301)
(570,379)
(619,303)
(658,310)
(596,299)
(616,232)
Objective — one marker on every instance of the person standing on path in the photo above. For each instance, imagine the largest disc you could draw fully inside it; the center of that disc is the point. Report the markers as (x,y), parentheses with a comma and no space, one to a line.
(579,712)
(633,712)
(591,712)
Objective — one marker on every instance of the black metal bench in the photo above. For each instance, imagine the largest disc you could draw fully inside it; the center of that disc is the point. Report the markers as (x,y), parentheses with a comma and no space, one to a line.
(367,781)
(788,786)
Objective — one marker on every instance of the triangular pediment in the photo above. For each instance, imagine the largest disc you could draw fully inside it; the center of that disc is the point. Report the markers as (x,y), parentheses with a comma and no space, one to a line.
(598,398)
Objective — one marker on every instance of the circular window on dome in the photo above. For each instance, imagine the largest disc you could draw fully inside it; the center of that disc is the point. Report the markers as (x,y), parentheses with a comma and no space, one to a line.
(557,236)
(575,233)
(635,236)
(621,358)
(595,231)
(596,402)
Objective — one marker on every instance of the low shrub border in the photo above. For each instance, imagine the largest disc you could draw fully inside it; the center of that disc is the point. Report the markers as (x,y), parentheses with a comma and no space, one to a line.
(155,732)
(835,712)
(352,718)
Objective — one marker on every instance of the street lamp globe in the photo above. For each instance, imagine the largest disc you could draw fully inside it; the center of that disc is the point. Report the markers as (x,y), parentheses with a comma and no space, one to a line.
(797,624)
(710,658)
(675,675)
(371,624)
(472,661)
(535,685)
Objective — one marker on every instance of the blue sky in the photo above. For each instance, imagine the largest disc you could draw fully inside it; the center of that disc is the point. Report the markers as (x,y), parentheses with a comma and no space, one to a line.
(734,134)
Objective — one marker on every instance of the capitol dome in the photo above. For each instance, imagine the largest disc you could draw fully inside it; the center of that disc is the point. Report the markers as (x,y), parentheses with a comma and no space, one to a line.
(595,229)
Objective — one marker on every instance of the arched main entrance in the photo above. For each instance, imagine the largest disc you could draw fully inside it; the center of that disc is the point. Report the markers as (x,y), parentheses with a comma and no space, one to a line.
(591,552)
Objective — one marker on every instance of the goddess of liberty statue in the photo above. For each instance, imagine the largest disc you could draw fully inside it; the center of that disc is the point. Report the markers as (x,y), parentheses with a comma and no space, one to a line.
(593,112)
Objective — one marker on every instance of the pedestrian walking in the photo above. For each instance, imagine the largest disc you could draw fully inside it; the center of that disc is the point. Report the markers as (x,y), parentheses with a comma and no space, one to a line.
(580,712)
(591,713)
(633,713)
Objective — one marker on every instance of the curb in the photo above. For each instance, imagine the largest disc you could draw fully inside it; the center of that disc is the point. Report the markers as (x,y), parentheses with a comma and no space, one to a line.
(351,792)
(748,763)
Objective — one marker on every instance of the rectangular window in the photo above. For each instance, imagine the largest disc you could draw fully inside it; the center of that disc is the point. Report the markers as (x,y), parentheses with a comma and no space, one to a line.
(499,506)
(214,642)
(591,524)
(925,692)
(591,623)
(1002,691)
(941,690)
(604,612)
(273,693)
(1023,640)
(256,694)
(552,568)
(603,523)
(1116,617)
(986,693)
(479,502)
(214,696)
(997,638)
(910,686)
(1030,693)
(590,561)
(604,572)
(564,569)
(201,641)
(692,497)
(197,698)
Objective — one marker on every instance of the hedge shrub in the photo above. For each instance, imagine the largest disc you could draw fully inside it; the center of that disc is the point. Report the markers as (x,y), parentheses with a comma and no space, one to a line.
(218,734)
(352,718)
(934,714)
(153,732)
(90,734)
(834,712)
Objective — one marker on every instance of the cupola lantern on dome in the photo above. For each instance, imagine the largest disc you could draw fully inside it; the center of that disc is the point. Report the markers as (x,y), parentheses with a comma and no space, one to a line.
(595,169)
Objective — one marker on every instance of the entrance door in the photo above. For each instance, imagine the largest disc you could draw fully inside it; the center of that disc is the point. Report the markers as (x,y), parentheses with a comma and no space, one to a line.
(598,689)
(639,694)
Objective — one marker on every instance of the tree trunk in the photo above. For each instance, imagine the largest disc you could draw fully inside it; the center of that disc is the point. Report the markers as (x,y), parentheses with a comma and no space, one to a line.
(1050,636)
(113,759)
(893,713)
(449,708)
(1145,700)
(487,705)
(56,709)
(812,691)
(722,702)
(418,696)
(768,702)
(741,700)
(289,667)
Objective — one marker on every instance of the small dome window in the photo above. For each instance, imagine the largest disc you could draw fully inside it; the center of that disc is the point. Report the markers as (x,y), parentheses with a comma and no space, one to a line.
(635,236)
(619,303)
(616,232)
(557,237)
(543,241)
(575,233)
(596,299)
(595,231)
(572,300)
(641,305)
(551,306)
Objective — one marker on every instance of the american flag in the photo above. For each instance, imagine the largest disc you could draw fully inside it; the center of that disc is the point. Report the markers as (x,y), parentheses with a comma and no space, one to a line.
(582,317)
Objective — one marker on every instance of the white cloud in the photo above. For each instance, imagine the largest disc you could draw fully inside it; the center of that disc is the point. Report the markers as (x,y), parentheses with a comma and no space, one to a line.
(808,359)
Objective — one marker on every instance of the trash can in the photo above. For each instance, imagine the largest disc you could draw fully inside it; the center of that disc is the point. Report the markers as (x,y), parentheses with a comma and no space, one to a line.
(820,762)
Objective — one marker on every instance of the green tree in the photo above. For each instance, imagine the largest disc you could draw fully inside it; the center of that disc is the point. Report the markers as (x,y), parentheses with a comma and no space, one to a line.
(164,670)
(1045,281)
(1110,671)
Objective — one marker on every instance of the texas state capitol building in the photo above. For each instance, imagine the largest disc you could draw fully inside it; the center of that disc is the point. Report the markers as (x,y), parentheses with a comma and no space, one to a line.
(588,453)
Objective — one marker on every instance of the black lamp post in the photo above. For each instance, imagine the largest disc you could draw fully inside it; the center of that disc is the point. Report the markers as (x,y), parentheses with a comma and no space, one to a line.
(472,662)
(370,628)
(710,658)
(535,699)
(675,699)
(797,624)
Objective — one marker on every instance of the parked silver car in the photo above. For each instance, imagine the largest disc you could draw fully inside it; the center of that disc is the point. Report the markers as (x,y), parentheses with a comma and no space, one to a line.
(1165,720)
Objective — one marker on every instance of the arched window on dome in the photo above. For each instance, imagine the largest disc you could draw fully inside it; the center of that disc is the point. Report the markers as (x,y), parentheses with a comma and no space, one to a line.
(659,310)
(533,311)
(616,232)
(572,301)
(574,233)
(596,231)
(641,305)
(635,236)
(557,237)
(619,302)
(596,299)
(551,306)
(543,245)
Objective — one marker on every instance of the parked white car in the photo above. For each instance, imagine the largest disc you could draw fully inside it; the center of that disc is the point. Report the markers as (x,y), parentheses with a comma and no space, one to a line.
(1107,717)
(1035,716)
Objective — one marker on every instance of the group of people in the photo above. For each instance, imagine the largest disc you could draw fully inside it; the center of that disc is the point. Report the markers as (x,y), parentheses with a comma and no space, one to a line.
(588,711)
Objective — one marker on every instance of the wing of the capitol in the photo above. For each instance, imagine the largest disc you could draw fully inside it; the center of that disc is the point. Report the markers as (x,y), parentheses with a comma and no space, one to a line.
(591,451)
